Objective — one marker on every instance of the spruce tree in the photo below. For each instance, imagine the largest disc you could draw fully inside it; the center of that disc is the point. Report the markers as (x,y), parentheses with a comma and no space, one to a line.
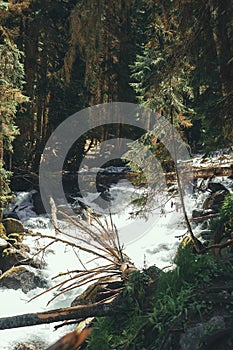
(11,96)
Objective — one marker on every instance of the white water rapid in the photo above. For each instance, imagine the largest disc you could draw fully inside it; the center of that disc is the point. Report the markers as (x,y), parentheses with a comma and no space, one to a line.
(156,245)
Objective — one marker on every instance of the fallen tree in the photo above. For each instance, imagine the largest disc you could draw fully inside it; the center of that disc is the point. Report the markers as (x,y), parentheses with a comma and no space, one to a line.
(63,314)
(195,172)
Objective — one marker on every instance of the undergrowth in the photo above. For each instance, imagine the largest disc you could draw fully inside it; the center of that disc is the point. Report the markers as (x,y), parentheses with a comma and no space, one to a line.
(222,226)
(149,308)
(146,313)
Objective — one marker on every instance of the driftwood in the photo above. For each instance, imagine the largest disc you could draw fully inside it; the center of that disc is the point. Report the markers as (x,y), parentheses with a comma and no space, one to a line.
(63,314)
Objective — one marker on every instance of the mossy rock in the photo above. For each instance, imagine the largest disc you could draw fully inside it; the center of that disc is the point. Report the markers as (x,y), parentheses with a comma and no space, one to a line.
(11,256)
(2,230)
(30,345)
(3,244)
(23,277)
(16,236)
(19,277)
(13,226)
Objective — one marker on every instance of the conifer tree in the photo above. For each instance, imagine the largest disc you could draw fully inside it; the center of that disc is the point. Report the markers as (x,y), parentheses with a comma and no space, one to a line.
(11,96)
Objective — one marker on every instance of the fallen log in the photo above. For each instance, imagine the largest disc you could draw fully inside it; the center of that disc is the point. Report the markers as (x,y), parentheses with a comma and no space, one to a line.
(63,314)
(203,218)
(193,172)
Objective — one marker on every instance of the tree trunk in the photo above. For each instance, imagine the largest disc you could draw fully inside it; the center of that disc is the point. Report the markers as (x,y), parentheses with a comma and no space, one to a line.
(222,12)
(69,313)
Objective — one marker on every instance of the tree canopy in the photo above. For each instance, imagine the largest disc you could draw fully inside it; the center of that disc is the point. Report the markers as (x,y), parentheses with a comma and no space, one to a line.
(174,57)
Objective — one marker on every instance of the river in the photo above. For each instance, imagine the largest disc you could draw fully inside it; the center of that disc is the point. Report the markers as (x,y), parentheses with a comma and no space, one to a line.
(146,242)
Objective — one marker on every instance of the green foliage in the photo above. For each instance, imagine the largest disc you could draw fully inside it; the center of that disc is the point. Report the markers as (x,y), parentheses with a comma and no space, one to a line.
(183,69)
(147,312)
(222,226)
(11,82)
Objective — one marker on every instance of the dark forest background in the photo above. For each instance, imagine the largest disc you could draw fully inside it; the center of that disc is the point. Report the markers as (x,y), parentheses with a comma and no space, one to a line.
(58,57)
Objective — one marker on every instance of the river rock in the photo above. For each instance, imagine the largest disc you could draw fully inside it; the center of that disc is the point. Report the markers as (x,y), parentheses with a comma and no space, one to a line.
(38,345)
(37,203)
(197,213)
(11,256)
(191,338)
(22,277)
(2,230)
(13,226)
(216,186)
(11,215)
(206,235)
(3,244)
(215,200)
(201,213)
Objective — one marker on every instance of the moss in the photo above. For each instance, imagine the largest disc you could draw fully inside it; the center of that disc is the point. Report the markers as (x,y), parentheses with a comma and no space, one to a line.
(2,230)
(16,236)
(13,226)
(11,272)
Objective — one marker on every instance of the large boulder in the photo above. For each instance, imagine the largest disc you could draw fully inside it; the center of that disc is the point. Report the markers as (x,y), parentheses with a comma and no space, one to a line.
(2,230)
(194,336)
(210,329)
(31,345)
(13,226)
(216,186)
(10,256)
(215,200)
(37,203)
(3,244)
(22,277)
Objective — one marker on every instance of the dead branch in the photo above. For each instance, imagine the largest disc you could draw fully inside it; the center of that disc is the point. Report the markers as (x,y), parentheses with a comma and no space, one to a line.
(58,239)
(219,246)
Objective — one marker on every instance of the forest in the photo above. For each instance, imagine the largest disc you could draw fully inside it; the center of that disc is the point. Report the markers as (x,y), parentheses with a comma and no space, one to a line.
(174,57)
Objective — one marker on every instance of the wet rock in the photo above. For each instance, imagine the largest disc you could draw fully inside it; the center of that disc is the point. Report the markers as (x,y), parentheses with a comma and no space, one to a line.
(215,200)
(11,256)
(201,213)
(22,277)
(3,244)
(37,203)
(216,186)
(206,235)
(30,346)
(197,213)
(2,230)
(13,226)
(191,339)
(11,214)
(204,225)
(18,238)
